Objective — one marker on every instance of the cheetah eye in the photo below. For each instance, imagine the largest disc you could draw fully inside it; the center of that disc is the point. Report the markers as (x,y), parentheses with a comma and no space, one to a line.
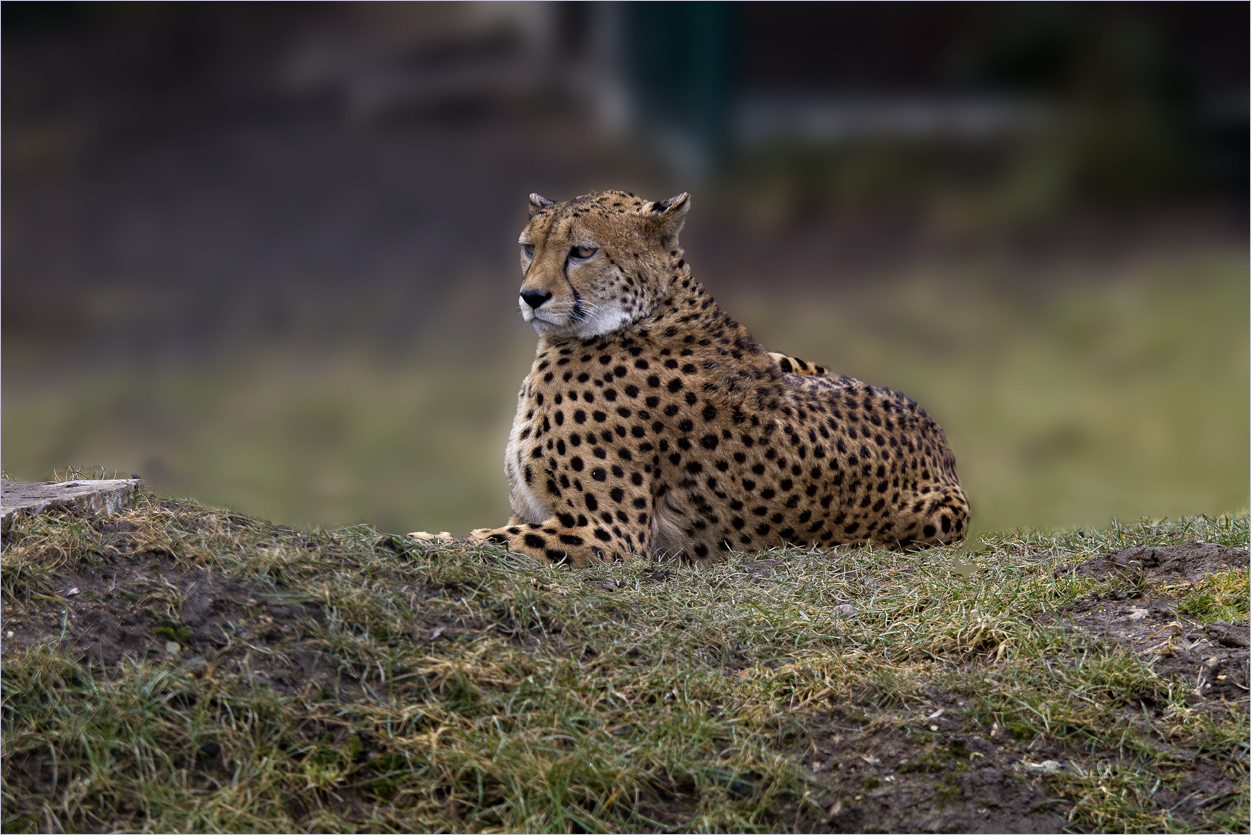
(582,252)
(528,249)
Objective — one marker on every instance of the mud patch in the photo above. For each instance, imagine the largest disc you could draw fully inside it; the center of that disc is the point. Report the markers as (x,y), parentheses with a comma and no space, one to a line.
(952,779)
(1191,561)
(142,606)
(1212,659)
(125,601)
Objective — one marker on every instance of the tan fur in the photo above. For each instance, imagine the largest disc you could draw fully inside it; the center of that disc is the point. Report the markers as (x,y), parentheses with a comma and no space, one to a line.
(652,423)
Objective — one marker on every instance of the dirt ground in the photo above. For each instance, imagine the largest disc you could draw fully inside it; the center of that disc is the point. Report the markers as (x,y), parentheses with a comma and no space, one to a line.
(946,776)
(1212,657)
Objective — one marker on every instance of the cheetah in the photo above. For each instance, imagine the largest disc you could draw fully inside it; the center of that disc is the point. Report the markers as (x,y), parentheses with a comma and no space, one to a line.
(652,424)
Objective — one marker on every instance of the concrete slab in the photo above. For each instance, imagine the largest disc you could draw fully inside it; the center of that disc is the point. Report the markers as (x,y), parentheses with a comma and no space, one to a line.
(95,496)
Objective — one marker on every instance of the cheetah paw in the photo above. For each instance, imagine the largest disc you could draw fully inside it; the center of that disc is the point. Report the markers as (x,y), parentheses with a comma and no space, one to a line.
(490,536)
(423,536)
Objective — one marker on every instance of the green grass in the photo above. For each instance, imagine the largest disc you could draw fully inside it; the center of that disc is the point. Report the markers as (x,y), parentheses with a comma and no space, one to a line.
(356,681)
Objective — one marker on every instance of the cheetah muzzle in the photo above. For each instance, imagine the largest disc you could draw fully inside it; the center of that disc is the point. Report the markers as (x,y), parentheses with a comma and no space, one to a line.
(653,424)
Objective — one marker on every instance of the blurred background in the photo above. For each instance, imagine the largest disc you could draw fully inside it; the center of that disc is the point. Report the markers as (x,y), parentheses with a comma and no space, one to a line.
(264,255)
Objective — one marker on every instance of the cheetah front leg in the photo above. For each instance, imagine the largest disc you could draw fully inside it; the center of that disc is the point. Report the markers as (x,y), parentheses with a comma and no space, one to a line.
(426,536)
(444,536)
(609,524)
(572,539)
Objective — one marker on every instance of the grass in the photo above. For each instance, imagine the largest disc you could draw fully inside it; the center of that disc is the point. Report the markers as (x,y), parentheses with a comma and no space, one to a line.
(272,679)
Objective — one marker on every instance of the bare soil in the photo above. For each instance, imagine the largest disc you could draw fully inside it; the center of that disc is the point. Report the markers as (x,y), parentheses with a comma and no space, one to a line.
(1211,658)
(955,779)
(118,609)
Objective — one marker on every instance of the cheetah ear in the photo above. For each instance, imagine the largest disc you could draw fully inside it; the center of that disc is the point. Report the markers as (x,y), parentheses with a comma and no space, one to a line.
(670,214)
(538,203)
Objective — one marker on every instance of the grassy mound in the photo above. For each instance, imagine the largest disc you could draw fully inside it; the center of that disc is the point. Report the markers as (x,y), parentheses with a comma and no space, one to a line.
(178,667)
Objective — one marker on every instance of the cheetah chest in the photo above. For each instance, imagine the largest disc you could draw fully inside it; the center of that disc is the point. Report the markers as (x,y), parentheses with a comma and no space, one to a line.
(523,463)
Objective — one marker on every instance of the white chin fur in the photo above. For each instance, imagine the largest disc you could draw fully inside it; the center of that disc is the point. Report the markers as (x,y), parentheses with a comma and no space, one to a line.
(600,321)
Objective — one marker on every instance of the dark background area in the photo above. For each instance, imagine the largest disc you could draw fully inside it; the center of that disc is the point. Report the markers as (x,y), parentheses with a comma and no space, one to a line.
(264,254)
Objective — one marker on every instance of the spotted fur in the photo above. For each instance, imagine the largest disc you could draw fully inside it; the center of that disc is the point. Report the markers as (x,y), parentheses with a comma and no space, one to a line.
(653,424)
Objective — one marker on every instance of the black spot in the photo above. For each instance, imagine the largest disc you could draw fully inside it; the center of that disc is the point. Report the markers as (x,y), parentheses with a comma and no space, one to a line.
(599,474)
(570,539)
(535,541)
(576,463)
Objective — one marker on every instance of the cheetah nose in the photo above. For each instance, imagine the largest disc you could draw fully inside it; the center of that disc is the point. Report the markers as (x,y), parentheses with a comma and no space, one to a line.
(534,298)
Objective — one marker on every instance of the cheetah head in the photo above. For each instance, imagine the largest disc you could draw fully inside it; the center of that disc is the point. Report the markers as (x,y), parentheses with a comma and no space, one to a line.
(597,263)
